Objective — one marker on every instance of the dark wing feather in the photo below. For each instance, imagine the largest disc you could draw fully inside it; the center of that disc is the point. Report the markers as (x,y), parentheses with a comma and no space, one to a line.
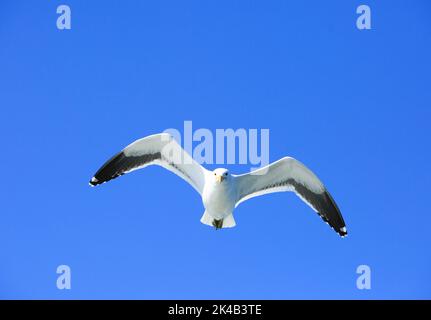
(121,164)
(323,204)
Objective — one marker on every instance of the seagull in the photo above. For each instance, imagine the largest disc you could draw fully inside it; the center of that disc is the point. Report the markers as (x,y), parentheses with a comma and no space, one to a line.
(221,191)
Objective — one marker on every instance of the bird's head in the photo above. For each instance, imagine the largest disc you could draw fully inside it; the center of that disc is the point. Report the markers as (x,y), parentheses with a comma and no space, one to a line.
(220,175)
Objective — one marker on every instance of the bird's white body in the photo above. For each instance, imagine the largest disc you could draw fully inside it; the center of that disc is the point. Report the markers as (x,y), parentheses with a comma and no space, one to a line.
(221,191)
(219,199)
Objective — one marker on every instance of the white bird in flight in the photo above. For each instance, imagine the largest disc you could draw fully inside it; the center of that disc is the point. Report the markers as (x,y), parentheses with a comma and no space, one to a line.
(220,190)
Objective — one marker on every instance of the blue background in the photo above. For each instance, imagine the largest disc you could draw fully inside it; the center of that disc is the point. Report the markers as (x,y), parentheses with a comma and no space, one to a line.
(352,105)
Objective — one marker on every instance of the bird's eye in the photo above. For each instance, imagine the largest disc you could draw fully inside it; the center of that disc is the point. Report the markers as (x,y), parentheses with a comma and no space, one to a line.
(215,173)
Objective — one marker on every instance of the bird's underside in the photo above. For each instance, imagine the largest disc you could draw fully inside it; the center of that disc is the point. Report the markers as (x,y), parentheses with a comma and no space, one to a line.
(222,192)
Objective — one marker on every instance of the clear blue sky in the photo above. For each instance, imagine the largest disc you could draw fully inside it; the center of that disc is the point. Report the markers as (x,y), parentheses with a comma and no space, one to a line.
(355,106)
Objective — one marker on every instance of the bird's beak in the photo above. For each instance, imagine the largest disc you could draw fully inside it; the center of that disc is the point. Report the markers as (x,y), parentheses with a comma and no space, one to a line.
(219,179)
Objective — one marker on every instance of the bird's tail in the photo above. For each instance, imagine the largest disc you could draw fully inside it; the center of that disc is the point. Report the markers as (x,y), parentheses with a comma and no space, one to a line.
(228,222)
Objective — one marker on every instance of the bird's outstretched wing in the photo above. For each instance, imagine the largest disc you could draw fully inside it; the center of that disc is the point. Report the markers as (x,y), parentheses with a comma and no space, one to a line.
(288,174)
(159,149)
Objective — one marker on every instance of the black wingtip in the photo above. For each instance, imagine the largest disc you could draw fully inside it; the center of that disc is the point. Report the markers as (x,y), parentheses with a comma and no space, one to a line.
(93,182)
(343,232)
